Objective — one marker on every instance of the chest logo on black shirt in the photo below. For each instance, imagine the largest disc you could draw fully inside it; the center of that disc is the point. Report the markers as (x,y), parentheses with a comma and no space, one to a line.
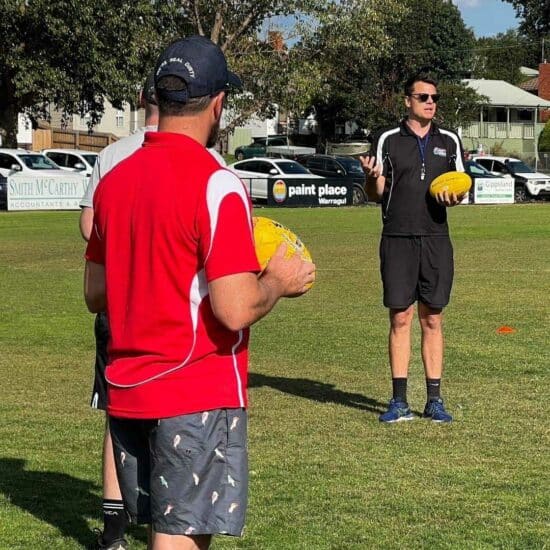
(440,152)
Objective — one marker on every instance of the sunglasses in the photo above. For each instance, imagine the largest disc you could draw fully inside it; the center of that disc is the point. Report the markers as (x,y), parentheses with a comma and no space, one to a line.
(424,97)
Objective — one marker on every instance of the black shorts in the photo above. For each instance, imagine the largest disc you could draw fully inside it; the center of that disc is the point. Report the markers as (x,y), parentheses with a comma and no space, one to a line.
(99,392)
(185,475)
(416,269)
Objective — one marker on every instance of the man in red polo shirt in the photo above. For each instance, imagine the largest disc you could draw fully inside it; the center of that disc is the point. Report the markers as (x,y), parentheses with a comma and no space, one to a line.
(171,259)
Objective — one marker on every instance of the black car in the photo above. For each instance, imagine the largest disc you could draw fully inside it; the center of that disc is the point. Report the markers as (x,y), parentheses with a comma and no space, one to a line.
(332,166)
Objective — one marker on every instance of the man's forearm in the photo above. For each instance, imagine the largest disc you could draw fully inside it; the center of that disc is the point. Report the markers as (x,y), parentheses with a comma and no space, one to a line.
(86,222)
(94,287)
(241,305)
(374,188)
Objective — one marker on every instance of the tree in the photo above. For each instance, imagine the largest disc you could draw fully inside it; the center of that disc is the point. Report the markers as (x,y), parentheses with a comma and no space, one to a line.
(341,54)
(500,57)
(269,69)
(535,27)
(73,54)
(369,48)
(544,139)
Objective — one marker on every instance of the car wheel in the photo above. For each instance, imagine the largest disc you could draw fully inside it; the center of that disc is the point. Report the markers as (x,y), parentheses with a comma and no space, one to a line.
(520,193)
(358,196)
(239,155)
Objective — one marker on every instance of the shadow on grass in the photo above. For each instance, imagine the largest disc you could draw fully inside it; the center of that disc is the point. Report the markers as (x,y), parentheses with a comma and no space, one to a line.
(316,391)
(63,501)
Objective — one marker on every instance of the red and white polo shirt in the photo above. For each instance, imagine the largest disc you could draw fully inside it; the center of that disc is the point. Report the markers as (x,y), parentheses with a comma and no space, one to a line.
(167,221)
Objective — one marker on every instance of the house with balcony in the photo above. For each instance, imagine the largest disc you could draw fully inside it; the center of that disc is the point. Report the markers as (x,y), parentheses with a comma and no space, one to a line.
(510,120)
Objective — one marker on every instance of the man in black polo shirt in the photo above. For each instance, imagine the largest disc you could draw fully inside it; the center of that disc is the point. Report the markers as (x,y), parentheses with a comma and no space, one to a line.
(416,255)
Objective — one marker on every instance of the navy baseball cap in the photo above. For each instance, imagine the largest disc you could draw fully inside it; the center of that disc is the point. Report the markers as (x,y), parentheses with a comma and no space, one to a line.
(200,64)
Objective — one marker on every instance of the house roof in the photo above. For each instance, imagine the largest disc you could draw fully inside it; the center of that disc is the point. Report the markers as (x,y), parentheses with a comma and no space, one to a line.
(527,71)
(504,94)
(531,85)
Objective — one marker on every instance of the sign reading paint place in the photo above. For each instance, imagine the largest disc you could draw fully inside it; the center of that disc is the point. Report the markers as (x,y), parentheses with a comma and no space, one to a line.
(299,192)
(35,192)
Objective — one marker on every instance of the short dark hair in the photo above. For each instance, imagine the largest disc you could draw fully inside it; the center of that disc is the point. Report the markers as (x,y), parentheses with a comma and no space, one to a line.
(420,77)
(169,107)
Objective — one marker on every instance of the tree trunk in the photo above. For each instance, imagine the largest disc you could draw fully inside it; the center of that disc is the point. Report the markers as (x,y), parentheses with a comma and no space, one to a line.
(8,125)
(8,112)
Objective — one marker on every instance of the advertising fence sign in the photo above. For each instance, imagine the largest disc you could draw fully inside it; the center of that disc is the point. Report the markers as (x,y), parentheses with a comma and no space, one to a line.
(493,191)
(309,192)
(35,192)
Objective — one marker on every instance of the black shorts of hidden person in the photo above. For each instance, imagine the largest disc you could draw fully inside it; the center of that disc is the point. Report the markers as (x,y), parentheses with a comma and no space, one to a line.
(416,269)
(185,475)
(99,390)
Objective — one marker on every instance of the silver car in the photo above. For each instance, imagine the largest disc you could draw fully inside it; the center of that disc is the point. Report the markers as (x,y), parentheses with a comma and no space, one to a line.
(256,172)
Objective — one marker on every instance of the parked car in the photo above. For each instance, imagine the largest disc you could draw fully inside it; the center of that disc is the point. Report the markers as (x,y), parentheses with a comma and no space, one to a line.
(258,147)
(73,160)
(13,161)
(527,182)
(477,171)
(334,166)
(255,173)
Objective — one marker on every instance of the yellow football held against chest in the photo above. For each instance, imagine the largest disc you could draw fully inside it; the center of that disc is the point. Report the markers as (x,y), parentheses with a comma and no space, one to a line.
(269,235)
(452,182)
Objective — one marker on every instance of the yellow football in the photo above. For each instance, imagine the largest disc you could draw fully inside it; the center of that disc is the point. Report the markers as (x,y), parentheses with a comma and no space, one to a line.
(269,235)
(452,182)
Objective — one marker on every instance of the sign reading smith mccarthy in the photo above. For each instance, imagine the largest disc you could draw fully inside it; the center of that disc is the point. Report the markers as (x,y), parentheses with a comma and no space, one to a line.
(35,192)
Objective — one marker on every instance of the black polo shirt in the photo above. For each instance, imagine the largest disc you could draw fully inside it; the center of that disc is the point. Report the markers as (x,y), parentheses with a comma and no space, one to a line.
(408,209)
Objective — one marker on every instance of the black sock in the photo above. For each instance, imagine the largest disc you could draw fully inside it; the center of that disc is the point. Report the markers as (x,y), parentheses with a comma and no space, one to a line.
(433,385)
(115,520)
(399,389)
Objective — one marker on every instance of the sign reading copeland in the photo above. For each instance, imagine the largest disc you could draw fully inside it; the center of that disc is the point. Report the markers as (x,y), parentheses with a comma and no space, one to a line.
(493,191)
(309,192)
(35,192)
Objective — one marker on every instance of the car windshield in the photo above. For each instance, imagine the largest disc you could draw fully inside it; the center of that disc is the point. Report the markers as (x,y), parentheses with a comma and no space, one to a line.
(477,169)
(38,162)
(352,166)
(518,167)
(90,159)
(290,167)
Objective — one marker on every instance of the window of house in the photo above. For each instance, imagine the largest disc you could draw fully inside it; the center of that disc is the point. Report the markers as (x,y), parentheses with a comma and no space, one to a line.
(501,115)
(525,115)
(119,119)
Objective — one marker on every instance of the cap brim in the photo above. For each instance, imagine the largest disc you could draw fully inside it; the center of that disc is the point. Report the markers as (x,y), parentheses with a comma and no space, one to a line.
(233,81)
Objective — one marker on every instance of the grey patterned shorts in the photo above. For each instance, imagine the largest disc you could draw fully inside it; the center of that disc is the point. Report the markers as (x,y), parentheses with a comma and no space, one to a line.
(186,475)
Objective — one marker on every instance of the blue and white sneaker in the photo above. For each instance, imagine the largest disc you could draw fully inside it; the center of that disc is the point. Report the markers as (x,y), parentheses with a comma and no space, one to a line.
(435,410)
(398,411)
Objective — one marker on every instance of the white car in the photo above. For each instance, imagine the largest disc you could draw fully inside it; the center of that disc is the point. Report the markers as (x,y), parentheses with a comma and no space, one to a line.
(73,160)
(15,161)
(256,171)
(528,183)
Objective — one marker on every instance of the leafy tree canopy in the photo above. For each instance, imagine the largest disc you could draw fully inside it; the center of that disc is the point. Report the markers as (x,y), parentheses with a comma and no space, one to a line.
(534,26)
(369,49)
(72,54)
(500,57)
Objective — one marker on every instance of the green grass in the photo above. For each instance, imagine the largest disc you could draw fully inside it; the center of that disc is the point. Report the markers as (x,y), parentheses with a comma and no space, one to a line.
(324,473)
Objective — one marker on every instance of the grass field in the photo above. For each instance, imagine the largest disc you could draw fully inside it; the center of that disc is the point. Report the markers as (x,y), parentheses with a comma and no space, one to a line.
(324,473)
